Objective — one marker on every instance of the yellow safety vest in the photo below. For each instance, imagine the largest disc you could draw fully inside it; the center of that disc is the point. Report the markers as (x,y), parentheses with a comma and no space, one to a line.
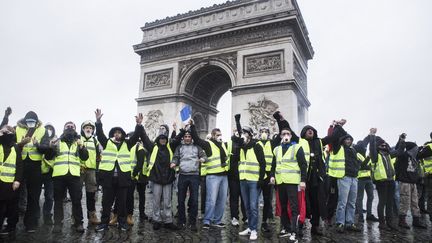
(29,150)
(306,149)
(67,160)
(213,164)
(248,167)
(154,155)
(363,173)
(46,165)
(337,164)
(8,165)
(90,144)
(111,154)
(287,168)
(133,158)
(428,162)
(268,154)
(378,169)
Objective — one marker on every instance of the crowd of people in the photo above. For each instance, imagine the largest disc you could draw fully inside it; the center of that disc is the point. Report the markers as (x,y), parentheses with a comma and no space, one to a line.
(322,179)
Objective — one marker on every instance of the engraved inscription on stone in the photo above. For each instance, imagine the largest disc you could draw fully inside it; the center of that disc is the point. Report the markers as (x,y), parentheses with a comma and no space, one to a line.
(261,114)
(264,63)
(158,79)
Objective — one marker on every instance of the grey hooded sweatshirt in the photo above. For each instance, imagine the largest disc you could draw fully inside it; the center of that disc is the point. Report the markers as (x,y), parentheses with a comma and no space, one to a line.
(186,156)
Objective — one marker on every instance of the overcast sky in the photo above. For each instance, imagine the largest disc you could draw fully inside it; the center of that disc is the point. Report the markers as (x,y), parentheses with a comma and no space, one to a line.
(63,59)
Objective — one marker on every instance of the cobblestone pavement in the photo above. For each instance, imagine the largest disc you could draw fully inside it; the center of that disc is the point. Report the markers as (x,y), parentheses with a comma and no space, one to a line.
(143,232)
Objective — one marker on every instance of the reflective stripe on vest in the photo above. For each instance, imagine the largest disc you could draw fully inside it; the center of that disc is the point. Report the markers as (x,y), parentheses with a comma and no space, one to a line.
(213,164)
(154,155)
(287,168)
(29,150)
(268,154)
(363,173)
(111,154)
(8,165)
(67,160)
(91,148)
(306,149)
(428,162)
(248,165)
(379,172)
(46,165)
(229,150)
(337,164)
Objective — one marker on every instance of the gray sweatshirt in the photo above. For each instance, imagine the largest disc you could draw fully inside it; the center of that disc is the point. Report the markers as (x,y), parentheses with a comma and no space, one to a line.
(187,157)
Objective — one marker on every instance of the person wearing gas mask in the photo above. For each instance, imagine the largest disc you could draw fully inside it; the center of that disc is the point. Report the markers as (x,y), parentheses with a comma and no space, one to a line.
(160,173)
(11,170)
(67,153)
(32,137)
(288,172)
(252,172)
(383,176)
(188,157)
(47,182)
(217,167)
(115,169)
(407,169)
(89,167)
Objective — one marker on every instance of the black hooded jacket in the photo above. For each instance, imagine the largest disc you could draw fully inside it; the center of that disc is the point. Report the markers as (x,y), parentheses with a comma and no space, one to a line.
(407,165)
(161,173)
(106,177)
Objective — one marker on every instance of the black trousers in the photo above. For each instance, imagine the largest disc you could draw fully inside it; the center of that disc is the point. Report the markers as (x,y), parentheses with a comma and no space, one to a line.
(421,191)
(62,184)
(386,192)
(288,193)
(9,209)
(188,183)
(332,199)
(109,194)
(141,188)
(267,192)
(203,193)
(33,180)
(234,196)
(317,202)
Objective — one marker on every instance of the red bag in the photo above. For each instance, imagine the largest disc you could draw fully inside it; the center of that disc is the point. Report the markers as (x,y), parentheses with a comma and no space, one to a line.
(301,196)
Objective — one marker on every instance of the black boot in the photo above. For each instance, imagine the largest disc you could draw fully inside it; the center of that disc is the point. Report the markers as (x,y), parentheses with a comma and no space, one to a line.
(390,223)
(315,230)
(402,222)
(383,226)
(418,223)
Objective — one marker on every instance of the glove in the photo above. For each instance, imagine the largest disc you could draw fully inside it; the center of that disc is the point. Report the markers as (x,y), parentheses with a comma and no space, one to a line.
(402,136)
(237,117)
(135,173)
(277,115)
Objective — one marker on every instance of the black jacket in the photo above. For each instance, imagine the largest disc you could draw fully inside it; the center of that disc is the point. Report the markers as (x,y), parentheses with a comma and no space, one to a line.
(407,165)
(352,164)
(106,177)
(374,141)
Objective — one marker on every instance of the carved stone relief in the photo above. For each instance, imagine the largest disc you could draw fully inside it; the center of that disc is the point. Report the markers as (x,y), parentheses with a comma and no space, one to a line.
(261,114)
(228,58)
(158,79)
(154,119)
(265,63)
(300,75)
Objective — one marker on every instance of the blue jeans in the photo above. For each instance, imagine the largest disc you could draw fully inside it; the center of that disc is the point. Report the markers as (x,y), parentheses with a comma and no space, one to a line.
(250,194)
(192,183)
(347,194)
(365,184)
(216,196)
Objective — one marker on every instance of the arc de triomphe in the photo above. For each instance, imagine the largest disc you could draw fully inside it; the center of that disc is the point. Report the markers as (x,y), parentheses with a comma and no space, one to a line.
(257,49)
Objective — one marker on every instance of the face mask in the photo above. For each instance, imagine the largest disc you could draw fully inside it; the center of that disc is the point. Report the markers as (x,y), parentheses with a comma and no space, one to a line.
(31,124)
(70,134)
(264,136)
(50,132)
(219,139)
(286,139)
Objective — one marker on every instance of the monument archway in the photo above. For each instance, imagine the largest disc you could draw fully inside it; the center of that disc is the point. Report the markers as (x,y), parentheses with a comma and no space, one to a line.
(258,50)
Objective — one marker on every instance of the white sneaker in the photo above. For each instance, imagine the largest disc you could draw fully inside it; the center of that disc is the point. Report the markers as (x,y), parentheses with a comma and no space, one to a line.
(235,222)
(293,238)
(253,235)
(246,232)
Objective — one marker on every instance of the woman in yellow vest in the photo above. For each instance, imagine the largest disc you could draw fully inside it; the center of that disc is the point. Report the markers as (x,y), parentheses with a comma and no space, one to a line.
(115,169)
(32,138)
(11,170)
(67,153)
(252,171)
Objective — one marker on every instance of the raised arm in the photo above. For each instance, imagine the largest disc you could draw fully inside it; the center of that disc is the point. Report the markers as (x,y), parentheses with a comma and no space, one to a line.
(99,129)
(5,120)
(137,132)
(282,123)
(198,141)
(373,151)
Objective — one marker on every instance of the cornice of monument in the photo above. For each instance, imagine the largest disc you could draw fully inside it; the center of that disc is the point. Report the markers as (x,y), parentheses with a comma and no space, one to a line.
(228,15)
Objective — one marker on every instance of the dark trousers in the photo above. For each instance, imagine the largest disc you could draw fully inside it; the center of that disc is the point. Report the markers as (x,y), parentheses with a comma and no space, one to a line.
(33,180)
(428,186)
(333,197)
(317,200)
(288,193)
(203,193)
(130,200)
(9,209)
(91,201)
(141,188)
(48,185)
(421,190)
(267,192)
(185,183)
(109,194)
(235,197)
(386,192)
(73,185)
(362,185)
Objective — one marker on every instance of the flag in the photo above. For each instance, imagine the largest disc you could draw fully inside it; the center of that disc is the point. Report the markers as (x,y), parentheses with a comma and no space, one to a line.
(186,113)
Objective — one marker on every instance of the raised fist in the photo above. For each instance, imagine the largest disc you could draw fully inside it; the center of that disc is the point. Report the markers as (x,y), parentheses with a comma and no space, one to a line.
(237,117)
